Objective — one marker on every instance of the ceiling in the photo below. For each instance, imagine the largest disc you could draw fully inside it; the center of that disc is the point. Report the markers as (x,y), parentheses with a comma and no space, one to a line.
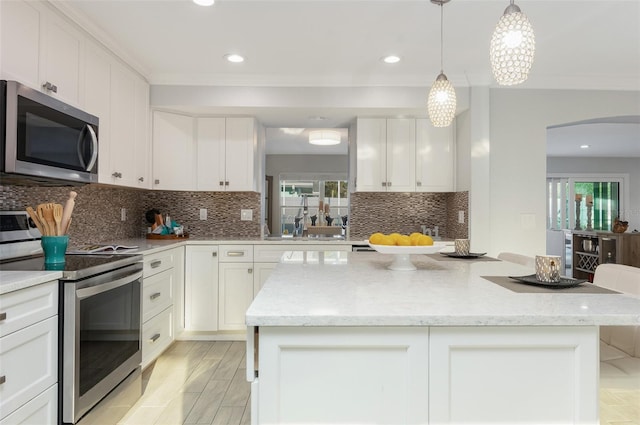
(302,44)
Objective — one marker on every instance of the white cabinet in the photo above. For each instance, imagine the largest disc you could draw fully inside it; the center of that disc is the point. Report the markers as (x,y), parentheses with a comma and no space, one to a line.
(28,353)
(342,375)
(43,409)
(235,283)
(201,288)
(38,47)
(173,152)
(261,271)
(162,273)
(435,152)
(385,150)
(225,154)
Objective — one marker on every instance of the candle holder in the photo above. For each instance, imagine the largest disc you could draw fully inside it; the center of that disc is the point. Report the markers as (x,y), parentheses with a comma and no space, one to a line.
(589,208)
(578,202)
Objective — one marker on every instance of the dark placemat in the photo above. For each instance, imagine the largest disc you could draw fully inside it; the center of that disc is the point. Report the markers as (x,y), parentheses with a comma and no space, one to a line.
(440,257)
(512,285)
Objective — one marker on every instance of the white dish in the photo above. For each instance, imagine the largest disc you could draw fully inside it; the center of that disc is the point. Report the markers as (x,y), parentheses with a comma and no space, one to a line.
(402,259)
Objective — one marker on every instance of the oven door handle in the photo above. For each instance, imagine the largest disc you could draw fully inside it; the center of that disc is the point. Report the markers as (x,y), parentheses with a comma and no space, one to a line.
(93,290)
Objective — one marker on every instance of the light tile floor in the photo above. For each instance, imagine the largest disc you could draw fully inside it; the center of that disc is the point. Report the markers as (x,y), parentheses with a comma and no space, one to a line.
(204,382)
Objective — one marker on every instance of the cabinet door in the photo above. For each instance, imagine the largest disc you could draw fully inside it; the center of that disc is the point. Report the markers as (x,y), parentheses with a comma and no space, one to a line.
(20,61)
(239,170)
(201,288)
(97,101)
(173,152)
(43,409)
(371,155)
(142,152)
(123,125)
(210,147)
(434,157)
(61,58)
(236,294)
(401,150)
(261,272)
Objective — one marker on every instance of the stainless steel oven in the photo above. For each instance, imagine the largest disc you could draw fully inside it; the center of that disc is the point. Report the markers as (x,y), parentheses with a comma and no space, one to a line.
(100,336)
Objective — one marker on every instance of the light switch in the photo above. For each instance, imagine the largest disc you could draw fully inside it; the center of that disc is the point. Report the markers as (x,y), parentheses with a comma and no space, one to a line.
(123,214)
(203,213)
(461,216)
(246,215)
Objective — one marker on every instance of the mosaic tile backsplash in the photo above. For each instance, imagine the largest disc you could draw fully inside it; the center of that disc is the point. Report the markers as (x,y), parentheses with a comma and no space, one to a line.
(97,213)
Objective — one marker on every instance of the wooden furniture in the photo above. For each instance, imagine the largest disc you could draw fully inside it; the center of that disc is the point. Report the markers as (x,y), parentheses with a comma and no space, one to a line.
(619,248)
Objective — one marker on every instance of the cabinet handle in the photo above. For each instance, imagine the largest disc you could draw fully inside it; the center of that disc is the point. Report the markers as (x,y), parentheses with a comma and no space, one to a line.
(3,379)
(50,87)
(156,181)
(388,184)
(154,296)
(226,183)
(154,338)
(221,183)
(418,183)
(117,175)
(156,264)
(141,179)
(384,184)
(3,316)
(214,254)
(235,253)
(249,271)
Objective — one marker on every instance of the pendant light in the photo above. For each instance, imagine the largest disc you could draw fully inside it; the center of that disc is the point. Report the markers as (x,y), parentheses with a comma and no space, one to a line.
(324,137)
(512,47)
(441,102)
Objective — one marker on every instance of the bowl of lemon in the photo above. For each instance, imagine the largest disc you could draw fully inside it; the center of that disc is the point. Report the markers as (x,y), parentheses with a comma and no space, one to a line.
(402,246)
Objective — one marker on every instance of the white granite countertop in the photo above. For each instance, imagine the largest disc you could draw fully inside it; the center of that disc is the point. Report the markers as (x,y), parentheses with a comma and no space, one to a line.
(356,289)
(13,280)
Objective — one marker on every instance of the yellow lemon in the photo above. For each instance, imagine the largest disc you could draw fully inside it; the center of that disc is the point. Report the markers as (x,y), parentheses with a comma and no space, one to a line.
(386,240)
(375,238)
(403,240)
(414,238)
(394,236)
(425,240)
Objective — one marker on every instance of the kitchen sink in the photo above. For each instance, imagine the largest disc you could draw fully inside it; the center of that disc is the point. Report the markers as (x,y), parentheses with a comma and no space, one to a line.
(285,238)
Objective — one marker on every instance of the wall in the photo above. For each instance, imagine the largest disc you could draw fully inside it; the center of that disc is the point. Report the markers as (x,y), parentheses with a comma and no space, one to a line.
(96,216)
(585,165)
(389,212)
(515,214)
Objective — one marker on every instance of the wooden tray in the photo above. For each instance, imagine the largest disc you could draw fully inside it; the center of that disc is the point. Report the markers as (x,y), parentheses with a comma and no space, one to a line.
(171,236)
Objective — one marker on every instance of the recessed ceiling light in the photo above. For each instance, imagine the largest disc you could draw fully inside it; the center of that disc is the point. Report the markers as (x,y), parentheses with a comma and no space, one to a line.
(232,57)
(391,59)
(204,2)
(585,146)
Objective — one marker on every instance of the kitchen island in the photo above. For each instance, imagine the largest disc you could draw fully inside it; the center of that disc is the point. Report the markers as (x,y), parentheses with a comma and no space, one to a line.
(339,338)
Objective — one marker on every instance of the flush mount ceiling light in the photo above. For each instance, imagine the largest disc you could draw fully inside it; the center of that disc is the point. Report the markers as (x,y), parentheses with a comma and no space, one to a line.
(204,2)
(585,146)
(324,137)
(232,57)
(441,102)
(513,46)
(391,59)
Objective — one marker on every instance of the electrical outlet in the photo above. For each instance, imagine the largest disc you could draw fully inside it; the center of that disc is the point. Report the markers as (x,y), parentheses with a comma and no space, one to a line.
(461,216)
(246,215)
(123,214)
(203,213)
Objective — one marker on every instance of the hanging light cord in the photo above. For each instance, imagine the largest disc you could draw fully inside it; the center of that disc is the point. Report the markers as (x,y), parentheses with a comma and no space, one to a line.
(442,39)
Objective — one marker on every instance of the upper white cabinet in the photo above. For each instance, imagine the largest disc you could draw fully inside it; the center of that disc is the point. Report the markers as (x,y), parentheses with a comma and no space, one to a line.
(173,152)
(226,154)
(41,49)
(435,153)
(404,155)
(385,150)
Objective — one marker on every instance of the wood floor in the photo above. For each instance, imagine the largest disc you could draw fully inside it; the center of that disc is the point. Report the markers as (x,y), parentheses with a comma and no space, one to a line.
(204,382)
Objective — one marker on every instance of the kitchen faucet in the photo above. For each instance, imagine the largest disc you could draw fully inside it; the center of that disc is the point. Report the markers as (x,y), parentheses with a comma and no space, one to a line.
(431,232)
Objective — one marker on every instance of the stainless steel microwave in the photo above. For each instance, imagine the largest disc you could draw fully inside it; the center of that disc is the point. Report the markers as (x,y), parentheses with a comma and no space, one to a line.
(44,139)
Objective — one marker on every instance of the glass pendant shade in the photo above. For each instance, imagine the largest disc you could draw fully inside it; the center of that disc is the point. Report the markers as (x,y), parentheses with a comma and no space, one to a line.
(513,46)
(441,102)
(324,137)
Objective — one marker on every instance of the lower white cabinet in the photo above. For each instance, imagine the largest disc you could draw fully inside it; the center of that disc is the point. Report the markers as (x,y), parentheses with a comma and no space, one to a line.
(235,286)
(28,353)
(162,279)
(261,272)
(201,288)
(41,410)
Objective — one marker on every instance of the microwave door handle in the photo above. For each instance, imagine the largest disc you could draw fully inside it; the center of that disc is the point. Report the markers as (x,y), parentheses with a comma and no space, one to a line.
(94,147)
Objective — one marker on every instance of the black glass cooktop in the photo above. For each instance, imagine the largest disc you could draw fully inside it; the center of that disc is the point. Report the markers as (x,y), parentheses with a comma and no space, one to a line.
(75,266)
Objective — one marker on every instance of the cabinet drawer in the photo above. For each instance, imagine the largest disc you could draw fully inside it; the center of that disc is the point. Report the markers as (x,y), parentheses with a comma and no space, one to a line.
(28,306)
(157,294)
(28,363)
(41,410)
(157,334)
(158,262)
(236,253)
